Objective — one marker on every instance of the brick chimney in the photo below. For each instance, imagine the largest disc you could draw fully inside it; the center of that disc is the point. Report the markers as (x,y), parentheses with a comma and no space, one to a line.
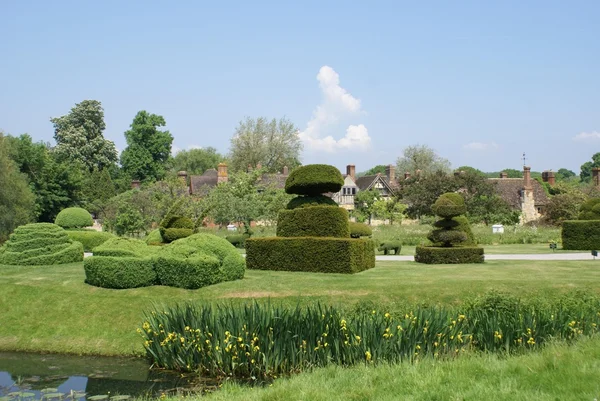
(406,175)
(285,170)
(527,177)
(351,171)
(503,174)
(135,184)
(596,176)
(390,171)
(548,176)
(222,173)
(182,175)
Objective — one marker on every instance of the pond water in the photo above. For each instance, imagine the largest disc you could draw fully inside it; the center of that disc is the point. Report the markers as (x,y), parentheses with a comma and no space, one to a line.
(55,377)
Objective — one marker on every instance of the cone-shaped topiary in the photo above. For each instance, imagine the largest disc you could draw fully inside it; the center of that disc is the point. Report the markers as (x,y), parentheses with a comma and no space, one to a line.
(74,217)
(314,179)
(40,244)
(448,206)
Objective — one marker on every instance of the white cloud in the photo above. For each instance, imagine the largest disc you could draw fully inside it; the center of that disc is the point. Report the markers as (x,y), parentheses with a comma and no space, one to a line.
(479,146)
(337,103)
(587,136)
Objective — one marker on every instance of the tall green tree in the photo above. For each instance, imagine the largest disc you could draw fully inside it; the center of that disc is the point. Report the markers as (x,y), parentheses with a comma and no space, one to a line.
(56,182)
(196,161)
(364,204)
(379,169)
(148,148)
(16,199)
(273,144)
(586,168)
(79,136)
(423,159)
(564,174)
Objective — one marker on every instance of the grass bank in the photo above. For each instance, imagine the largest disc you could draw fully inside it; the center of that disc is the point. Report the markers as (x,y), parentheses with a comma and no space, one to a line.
(51,309)
(558,372)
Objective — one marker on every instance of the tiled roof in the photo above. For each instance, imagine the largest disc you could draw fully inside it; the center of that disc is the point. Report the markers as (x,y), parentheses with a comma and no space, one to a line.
(510,190)
(364,182)
(276,180)
(201,184)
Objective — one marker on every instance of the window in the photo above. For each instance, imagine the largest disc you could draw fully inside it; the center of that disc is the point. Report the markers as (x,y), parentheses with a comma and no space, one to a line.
(353,191)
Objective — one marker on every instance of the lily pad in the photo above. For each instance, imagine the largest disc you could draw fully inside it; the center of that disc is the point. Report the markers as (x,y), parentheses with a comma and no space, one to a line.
(27,395)
(14,394)
(48,390)
(51,396)
(98,397)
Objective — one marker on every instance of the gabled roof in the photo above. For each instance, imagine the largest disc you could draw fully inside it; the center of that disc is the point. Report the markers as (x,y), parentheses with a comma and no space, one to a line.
(366,182)
(276,180)
(509,189)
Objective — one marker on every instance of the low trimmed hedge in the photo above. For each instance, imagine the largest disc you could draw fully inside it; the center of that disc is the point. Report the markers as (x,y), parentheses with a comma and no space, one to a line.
(90,239)
(124,247)
(308,201)
(74,217)
(314,179)
(358,230)
(40,244)
(190,273)
(310,254)
(173,234)
(581,235)
(315,221)
(237,240)
(449,255)
(119,272)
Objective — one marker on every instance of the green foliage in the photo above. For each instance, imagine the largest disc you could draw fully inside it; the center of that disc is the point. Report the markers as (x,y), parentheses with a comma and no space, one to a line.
(327,255)
(74,217)
(274,144)
(590,210)
(316,221)
(564,174)
(443,255)
(388,246)
(465,227)
(148,149)
(379,169)
(196,161)
(119,272)
(449,205)
(358,230)
(564,206)
(581,235)
(388,209)
(40,244)
(452,230)
(174,227)
(308,201)
(314,179)
(423,159)
(364,204)
(264,342)
(154,237)
(97,188)
(586,168)
(89,239)
(192,262)
(238,240)
(79,136)
(173,234)
(16,198)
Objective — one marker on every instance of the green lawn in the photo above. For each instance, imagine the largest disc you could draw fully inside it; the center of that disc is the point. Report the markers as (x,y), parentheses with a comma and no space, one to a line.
(558,372)
(51,308)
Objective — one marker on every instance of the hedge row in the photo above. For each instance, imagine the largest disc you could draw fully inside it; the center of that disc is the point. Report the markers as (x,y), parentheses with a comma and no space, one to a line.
(74,217)
(238,240)
(358,230)
(315,221)
(581,235)
(449,255)
(310,254)
(192,262)
(90,239)
(40,244)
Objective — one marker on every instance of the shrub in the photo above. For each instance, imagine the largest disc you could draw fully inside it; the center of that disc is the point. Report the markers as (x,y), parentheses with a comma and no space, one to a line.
(449,205)
(465,227)
(89,239)
(191,273)
(173,234)
(119,272)
(590,210)
(388,246)
(358,230)
(74,217)
(443,255)
(310,254)
(307,201)
(40,244)
(237,240)
(125,247)
(182,222)
(154,238)
(581,235)
(316,221)
(314,179)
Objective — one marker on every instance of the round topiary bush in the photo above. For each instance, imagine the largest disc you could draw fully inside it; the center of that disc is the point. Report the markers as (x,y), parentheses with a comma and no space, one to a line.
(358,230)
(314,179)
(74,217)
(308,201)
(40,244)
(173,228)
(449,205)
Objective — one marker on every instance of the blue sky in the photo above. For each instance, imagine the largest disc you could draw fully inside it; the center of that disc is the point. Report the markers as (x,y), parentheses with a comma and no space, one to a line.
(480,83)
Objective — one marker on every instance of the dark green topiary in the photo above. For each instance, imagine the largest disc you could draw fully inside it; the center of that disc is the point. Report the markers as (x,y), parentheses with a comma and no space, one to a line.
(119,272)
(40,244)
(237,240)
(307,201)
(316,221)
(455,255)
(358,230)
(590,210)
(74,217)
(388,246)
(583,235)
(465,226)
(182,222)
(173,228)
(449,205)
(314,179)
(173,234)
